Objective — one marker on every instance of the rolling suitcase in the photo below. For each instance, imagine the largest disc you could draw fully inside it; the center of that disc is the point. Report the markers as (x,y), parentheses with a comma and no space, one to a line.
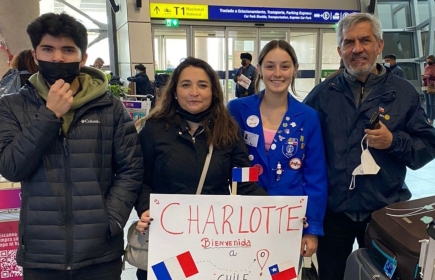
(394,233)
(361,265)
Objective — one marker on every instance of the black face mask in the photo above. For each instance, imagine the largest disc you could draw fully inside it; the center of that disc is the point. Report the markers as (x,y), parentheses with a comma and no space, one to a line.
(54,71)
(196,118)
(244,62)
(430,62)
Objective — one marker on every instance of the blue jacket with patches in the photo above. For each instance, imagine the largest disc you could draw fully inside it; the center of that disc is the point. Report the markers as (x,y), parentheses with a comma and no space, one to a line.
(343,127)
(297,146)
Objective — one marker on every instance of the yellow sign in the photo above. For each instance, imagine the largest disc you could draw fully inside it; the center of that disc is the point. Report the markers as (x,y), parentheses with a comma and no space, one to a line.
(164,10)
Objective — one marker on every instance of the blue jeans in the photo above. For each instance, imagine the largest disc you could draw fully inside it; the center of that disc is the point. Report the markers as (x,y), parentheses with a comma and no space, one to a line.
(430,105)
(102,271)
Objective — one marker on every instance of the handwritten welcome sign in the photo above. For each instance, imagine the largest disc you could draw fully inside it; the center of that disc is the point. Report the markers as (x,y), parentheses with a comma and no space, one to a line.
(225,237)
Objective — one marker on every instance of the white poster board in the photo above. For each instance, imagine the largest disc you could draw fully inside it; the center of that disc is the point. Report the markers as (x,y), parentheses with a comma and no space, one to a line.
(211,237)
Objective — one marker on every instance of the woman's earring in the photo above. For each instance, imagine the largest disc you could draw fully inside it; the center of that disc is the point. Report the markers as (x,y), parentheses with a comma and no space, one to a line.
(261,76)
(175,97)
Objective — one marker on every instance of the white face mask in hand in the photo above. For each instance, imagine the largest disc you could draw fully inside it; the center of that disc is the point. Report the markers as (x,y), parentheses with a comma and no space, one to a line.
(368,165)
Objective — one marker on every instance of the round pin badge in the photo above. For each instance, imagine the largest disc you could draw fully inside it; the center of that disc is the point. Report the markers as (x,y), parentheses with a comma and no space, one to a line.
(295,163)
(260,169)
(252,121)
(251,157)
(273,146)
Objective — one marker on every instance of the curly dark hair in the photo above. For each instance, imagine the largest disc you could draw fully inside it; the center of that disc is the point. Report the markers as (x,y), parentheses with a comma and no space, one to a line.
(223,131)
(58,25)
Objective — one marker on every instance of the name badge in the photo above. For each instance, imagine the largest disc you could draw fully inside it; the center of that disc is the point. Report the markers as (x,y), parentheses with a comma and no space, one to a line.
(251,139)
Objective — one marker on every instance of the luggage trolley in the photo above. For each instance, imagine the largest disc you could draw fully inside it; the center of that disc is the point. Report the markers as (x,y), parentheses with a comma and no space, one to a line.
(138,106)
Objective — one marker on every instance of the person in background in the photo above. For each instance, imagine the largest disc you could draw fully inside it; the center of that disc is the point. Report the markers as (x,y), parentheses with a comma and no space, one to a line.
(115,79)
(175,140)
(75,150)
(390,61)
(249,71)
(284,138)
(428,79)
(23,62)
(98,63)
(143,84)
(401,139)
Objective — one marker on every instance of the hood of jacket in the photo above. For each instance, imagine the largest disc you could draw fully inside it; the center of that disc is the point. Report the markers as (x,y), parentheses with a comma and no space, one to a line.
(93,84)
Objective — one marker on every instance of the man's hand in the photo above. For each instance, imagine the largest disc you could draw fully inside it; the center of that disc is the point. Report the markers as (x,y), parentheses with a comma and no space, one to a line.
(380,138)
(144,222)
(59,98)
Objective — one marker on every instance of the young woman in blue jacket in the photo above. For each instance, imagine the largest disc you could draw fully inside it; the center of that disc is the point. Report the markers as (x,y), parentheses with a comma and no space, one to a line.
(284,138)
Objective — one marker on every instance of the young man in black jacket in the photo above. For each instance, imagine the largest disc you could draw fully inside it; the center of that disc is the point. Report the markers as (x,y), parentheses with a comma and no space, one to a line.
(75,150)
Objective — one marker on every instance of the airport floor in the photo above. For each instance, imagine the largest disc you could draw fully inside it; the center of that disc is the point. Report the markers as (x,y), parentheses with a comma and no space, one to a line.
(421,183)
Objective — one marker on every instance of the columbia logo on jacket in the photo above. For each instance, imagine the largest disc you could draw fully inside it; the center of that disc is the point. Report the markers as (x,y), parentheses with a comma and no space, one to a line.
(90,121)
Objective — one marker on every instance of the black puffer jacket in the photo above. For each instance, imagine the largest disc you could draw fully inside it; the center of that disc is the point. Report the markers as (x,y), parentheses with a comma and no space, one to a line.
(174,161)
(77,191)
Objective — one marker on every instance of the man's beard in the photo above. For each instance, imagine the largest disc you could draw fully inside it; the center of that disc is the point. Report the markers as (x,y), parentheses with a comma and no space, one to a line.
(361,72)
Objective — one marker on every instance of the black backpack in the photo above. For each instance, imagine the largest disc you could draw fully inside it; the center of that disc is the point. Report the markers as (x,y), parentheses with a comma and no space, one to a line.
(12,82)
(160,80)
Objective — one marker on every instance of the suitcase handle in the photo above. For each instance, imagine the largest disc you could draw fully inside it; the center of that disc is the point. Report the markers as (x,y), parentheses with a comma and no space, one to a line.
(387,256)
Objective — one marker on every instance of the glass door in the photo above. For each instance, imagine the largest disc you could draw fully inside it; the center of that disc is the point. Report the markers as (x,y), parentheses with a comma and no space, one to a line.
(170,48)
(268,35)
(305,45)
(330,58)
(209,45)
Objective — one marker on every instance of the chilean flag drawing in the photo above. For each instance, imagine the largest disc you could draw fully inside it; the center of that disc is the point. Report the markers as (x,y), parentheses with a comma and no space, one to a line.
(177,268)
(245,174)
(283,271)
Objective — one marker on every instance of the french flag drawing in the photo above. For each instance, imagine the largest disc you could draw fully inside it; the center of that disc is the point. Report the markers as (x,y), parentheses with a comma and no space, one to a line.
(245,174)
(177,268)
(283,271)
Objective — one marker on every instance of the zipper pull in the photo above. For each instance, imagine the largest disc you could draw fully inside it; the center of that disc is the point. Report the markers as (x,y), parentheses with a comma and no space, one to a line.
(65,148)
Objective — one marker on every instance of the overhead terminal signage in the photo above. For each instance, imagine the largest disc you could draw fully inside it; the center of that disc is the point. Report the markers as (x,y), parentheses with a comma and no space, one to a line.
(178,11)
(252,14)
(281,15)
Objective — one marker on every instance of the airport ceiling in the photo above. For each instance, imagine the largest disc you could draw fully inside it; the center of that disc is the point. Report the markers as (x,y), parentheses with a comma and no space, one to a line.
(85,6)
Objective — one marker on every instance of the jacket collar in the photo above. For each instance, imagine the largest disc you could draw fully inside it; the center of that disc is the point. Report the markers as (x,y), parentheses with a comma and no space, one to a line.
(385,84)
(30,92)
